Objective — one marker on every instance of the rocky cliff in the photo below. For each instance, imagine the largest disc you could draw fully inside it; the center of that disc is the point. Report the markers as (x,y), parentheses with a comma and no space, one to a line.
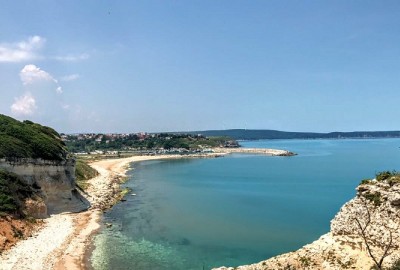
(54,181)
(364,233)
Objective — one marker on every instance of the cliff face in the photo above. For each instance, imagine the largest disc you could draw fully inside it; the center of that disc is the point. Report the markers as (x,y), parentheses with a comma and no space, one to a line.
(365,230)
(55,182)
(376,211)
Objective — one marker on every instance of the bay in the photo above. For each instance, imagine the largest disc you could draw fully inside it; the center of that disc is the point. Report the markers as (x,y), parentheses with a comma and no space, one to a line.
(239,209)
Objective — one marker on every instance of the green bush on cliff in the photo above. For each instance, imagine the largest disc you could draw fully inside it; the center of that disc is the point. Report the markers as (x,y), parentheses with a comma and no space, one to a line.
(391,177)
(382,176)
(29,140)
(12,192)
(83,172)
(365,181)
(374,197)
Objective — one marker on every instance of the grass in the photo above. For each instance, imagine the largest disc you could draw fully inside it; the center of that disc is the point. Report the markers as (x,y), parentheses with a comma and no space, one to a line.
(83,172)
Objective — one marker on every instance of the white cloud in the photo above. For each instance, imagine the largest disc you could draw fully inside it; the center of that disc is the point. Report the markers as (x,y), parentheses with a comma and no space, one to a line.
(21,51)
(33,43)
(24,105)
(31,74)
(59,90)
(69,78)
(72,58)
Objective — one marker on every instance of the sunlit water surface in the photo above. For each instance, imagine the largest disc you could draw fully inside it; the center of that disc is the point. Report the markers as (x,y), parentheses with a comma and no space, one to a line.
(240,209)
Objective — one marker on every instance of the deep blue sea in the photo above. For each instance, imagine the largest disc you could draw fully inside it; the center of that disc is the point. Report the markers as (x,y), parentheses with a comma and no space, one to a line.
(239,209)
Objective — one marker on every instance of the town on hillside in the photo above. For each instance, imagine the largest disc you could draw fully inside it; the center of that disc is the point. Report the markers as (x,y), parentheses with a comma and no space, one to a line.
(144,143)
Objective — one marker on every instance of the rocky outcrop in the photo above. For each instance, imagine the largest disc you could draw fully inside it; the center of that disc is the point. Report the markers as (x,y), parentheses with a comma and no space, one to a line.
(365,230)
(55,182)
(376,211)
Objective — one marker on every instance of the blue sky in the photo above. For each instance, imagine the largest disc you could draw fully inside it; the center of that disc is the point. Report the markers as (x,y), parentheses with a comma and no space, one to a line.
(127,66)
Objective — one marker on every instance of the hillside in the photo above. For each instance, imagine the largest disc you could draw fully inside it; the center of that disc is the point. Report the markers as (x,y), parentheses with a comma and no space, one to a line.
(29,140)
(167,141)
(261,134)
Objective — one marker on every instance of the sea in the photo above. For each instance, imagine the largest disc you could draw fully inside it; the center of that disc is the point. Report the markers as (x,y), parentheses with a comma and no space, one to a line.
(238,209)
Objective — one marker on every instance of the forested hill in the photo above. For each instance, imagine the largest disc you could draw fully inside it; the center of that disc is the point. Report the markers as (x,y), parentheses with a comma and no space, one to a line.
(254,134)
(29,140)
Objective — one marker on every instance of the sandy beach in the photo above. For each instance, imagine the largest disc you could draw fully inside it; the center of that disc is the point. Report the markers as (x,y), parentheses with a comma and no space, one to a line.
(63,241)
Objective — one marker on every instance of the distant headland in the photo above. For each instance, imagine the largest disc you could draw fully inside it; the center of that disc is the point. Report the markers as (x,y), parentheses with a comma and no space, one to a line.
(266,134)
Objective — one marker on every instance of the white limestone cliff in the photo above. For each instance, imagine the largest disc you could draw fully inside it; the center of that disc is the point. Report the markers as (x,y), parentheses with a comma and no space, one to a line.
(55,183)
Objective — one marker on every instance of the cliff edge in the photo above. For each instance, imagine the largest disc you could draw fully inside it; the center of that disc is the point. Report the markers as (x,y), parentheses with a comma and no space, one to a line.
(365,233)
(35,156)
(54,183)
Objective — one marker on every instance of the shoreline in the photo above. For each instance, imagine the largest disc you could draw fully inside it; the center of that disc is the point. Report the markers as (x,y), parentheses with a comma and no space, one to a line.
(65,239)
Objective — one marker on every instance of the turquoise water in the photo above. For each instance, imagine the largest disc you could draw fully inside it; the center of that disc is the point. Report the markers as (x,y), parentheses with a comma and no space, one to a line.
(240,209)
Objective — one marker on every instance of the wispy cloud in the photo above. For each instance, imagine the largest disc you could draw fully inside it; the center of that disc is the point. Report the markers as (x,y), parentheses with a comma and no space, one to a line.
(31,74)
(21,51)
(27,50)
(24,105)
(72,57)
(69,78)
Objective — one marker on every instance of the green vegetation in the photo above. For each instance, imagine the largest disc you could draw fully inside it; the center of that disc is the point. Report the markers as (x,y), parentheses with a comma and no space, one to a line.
(305,261)
(382,176)
(395,266)
(84,172)
(13,191)
(365,182)
(395,179)
(118,142)
(262,134)
(374,197)
(29,140)
(390,177)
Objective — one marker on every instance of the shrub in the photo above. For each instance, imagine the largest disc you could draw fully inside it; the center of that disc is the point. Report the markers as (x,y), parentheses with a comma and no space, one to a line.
(374,197)
(391,177)
(394,180)
(382,176)
(12,192)
(365,181)
(83,172)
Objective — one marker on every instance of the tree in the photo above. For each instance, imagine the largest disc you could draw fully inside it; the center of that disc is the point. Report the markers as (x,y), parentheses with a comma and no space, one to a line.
(365,226)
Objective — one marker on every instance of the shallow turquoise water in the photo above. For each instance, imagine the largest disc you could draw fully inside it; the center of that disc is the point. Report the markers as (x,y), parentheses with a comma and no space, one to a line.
(240,209)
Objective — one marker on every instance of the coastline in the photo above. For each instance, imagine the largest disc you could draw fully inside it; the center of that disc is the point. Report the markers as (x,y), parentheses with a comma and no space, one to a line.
(63,242)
